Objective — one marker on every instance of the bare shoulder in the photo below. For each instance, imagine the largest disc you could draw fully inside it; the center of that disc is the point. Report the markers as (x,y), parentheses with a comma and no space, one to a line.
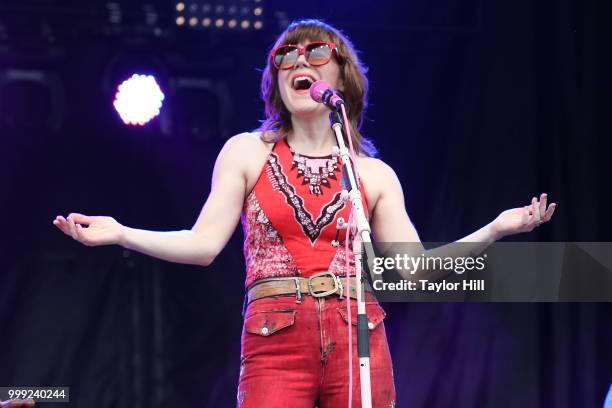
(378,178)
(376,172)
(247,152)
(248,142)
(245,149)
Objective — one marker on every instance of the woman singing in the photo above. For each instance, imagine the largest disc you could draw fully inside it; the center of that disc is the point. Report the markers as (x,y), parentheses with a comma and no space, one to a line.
(283,182)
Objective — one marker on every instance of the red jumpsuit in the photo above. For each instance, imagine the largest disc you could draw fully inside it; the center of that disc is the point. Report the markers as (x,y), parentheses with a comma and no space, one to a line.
(294,354)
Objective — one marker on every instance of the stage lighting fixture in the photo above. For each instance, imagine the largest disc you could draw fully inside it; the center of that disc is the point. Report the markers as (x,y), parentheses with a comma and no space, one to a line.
(138,99)
(219,14)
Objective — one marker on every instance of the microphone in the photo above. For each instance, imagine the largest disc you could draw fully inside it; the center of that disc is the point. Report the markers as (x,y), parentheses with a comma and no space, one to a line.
(322,92)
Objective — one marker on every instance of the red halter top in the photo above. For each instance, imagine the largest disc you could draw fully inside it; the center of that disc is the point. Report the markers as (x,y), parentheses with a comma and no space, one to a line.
(289,218)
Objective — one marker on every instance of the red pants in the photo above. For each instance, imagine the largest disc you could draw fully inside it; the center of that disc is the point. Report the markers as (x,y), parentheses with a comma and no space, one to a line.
(295,354)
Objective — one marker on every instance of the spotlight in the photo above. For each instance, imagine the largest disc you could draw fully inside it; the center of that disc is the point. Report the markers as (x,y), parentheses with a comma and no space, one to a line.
(219,13)
(138,99)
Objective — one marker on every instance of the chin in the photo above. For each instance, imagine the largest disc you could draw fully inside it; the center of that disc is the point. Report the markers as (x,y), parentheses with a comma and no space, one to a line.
(306,107)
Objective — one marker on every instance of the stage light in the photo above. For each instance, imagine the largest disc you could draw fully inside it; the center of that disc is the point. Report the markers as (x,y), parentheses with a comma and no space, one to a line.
(138,99)
(231,23)
(206,21)
(220,13)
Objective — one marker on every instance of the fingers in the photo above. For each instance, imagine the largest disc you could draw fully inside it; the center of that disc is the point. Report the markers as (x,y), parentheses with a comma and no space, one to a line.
(549,212)
(538,211)
(543,198)
(80,218)
(535,210)
(73,229)
(68,225)
(61,223)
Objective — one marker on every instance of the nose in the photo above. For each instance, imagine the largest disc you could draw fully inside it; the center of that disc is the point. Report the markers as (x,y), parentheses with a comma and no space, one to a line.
(301,62)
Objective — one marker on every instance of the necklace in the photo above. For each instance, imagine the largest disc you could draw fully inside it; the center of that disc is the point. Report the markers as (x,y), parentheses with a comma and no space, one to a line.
(315,171)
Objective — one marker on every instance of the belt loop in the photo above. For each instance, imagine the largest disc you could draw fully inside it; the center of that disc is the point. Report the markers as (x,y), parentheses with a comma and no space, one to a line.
(341,288)
(298,291)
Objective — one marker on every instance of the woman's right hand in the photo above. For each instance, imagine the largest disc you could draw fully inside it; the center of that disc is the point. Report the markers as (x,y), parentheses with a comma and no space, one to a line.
(90,231)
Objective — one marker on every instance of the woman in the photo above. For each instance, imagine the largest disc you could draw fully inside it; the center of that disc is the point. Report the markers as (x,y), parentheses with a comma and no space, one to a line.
(294,342)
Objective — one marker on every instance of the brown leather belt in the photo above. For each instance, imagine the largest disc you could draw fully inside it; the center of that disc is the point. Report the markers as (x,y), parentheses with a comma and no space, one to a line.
(318,285)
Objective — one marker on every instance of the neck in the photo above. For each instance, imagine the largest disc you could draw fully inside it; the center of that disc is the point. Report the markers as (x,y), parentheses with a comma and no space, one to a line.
(311,136)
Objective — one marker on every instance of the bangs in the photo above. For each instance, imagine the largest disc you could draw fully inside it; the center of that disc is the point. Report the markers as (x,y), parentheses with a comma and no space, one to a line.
(306,33)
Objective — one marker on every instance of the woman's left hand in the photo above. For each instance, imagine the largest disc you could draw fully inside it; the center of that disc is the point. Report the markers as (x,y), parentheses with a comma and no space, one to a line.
(524,219)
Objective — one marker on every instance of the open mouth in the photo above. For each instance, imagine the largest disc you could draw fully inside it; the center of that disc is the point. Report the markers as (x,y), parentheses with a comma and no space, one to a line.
(301,83)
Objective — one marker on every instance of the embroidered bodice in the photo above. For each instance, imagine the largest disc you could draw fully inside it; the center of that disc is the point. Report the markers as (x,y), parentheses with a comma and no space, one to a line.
(289,218)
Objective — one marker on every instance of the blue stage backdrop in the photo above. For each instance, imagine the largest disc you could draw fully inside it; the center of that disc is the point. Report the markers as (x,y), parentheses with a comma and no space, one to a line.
(476,105)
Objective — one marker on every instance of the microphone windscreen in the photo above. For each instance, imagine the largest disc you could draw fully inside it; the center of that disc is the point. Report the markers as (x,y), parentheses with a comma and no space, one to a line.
(317,89)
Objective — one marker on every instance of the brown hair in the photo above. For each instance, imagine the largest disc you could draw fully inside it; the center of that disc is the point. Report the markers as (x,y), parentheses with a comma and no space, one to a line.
(352,73)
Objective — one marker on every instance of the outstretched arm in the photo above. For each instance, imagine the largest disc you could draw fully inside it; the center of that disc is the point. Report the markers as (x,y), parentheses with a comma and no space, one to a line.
(199,245)
(390,222)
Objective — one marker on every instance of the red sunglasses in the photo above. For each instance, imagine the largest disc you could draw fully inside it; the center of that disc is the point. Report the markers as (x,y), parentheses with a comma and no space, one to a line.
(316,53)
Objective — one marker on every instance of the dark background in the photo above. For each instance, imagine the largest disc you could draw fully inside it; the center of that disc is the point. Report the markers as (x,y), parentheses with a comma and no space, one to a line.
(478,106)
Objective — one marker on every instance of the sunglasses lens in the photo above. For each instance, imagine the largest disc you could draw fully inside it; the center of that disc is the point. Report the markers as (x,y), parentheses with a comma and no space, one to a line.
(319,54)
(285,57)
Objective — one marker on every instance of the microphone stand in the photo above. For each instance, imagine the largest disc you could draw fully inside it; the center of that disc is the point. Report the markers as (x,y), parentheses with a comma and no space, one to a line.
(362,236)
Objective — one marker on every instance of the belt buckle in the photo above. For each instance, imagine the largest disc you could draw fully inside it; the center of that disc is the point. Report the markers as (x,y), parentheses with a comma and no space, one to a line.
(337,284)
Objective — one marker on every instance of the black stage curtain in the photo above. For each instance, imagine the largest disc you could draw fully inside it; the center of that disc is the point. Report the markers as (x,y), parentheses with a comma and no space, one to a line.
(477,111)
